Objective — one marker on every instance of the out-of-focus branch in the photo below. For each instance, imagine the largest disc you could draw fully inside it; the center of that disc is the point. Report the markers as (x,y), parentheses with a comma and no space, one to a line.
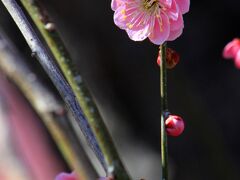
(50,110)
(52,38)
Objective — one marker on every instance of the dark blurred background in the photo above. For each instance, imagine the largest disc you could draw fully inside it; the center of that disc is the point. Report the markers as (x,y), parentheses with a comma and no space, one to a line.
(124,79)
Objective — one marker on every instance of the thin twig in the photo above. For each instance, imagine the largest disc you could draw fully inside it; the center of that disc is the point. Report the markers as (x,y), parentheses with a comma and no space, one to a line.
(52,38)
(50,110)
(164,109)
(54,73)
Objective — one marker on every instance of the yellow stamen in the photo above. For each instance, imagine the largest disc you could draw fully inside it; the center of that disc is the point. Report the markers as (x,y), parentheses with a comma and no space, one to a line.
(129,25)
(149,3)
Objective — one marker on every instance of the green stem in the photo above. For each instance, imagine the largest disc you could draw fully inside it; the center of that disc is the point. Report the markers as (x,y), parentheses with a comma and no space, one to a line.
(164,109)
(52,38)
(49,109)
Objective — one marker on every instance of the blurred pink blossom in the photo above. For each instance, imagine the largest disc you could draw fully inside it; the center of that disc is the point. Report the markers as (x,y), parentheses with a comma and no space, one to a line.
(73,176)
(159,20)
(66,176)
(232,51)
(31,143)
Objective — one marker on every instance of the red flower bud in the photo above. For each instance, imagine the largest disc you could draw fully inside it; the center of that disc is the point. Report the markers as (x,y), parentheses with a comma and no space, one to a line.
(172,58)
(174,125)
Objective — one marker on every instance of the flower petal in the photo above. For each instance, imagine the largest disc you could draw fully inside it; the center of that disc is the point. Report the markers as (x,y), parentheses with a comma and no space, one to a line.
(178,24)
(119,17)
(166,3)
(173,11)
(160,30)
(114,5)
(184,5)
(141,34)
(175,34)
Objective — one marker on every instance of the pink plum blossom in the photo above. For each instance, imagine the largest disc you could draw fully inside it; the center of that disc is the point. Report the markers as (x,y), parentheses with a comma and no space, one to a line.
(232,51)
(159,20)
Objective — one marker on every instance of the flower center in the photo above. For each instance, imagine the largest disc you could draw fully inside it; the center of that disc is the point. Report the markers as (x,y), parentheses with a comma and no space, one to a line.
(148,4)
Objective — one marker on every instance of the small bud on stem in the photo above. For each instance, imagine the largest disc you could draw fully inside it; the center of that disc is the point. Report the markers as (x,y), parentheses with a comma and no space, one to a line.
(172,58)
(174,125)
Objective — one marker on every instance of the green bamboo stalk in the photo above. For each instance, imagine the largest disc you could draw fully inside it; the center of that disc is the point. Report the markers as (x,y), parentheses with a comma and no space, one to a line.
(49,109)
(164,110)
(47,29)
